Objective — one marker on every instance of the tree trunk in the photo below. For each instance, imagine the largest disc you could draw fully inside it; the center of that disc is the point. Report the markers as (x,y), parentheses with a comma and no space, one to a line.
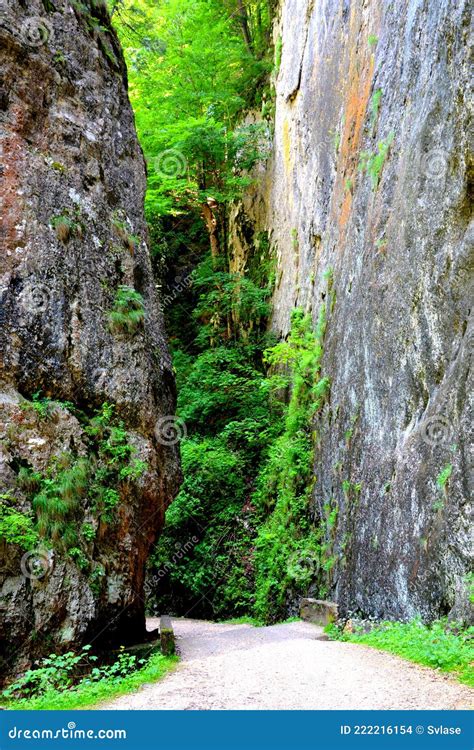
(211,225)
(243,18)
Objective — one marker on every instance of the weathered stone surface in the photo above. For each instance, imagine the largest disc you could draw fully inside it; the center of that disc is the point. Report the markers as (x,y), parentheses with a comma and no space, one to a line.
(400,331)
(70,150)
(318,611)
(166,636)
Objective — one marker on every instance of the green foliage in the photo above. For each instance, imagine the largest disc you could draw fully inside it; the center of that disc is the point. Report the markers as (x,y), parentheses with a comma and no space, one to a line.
(230,306)
(194,65)
(128,313)
(224,399)
(44,406)
(441,645)
(375,106)
(288,545)
(58,500)
(247,461)
(278,55)
(88,532)
(443,476)
(72,483)
(470,586)
(79,557)
(68,681)
(16,527)
(372,40)
(372,163)
(224,389)
(55,672)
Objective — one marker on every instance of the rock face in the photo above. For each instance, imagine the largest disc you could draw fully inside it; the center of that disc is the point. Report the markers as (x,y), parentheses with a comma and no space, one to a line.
(370,184)
(74,251)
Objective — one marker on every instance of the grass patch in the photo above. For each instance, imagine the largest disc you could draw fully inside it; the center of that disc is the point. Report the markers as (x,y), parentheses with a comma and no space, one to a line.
(89,694)
(256,623)
(244,621)
(440,646)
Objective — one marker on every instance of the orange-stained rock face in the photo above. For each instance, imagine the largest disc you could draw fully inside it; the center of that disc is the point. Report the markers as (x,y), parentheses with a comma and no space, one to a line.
(376,188)
(73,181)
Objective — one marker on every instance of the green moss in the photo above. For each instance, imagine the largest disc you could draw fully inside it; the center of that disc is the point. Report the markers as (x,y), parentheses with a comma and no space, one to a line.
(443,477)
(278,55)
(375,106)
(372,163)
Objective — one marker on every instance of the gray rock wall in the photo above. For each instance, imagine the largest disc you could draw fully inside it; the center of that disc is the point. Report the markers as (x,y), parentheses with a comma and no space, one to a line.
(371,180)
(73,231)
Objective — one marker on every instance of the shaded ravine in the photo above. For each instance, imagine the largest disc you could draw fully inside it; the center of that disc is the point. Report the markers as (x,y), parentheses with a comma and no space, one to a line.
(288,666)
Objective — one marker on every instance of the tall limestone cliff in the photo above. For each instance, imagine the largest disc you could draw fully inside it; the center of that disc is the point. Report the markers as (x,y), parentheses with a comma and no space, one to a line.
(368,191)
(87,461)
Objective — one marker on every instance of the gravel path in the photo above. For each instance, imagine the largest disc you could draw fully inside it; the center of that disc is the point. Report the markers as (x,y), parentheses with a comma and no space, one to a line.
(288,667)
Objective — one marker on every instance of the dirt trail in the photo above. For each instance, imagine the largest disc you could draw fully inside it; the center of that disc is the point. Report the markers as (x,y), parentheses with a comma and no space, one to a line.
(288,667)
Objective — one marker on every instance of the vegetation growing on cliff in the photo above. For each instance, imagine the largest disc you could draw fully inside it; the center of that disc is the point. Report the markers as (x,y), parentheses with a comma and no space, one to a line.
(94,475)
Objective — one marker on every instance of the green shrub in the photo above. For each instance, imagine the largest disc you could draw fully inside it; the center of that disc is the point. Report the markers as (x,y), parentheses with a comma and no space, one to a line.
(16,527)
(75,680)
(128,313)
